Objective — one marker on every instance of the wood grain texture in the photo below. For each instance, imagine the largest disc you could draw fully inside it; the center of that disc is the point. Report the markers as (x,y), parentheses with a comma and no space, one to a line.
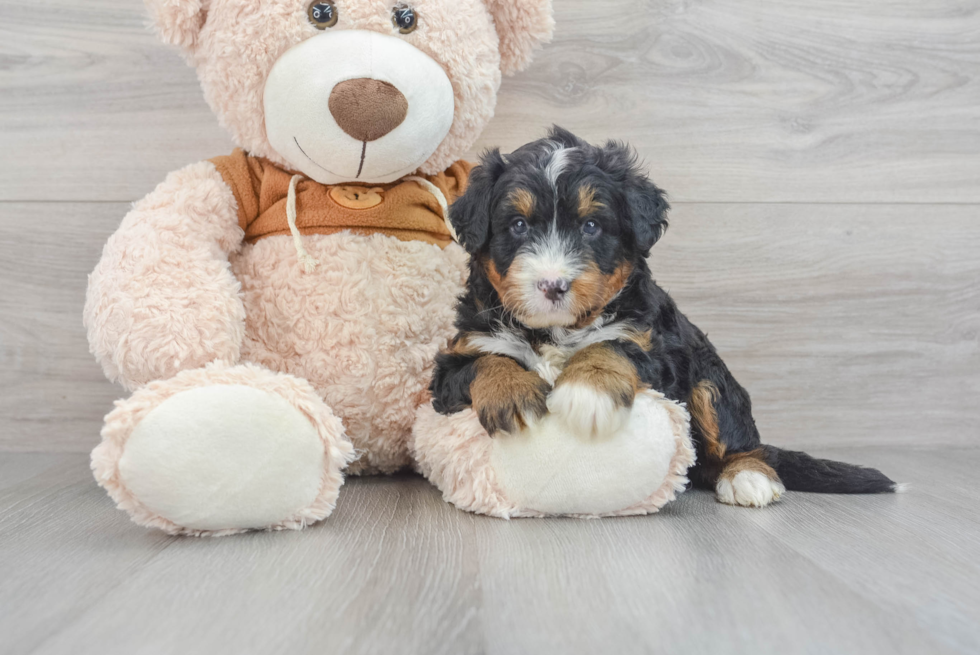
(60,550)
(938,509)
(53,395)
(847,323)
(779,100)
(774,100)
(395,569)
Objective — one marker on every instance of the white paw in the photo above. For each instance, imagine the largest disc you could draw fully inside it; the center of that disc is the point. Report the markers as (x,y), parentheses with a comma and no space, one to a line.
(224,457)
(749,489)
(587,411)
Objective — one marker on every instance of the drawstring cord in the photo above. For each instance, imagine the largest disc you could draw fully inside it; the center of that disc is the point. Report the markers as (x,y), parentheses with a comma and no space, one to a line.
(308,261)
(434,190)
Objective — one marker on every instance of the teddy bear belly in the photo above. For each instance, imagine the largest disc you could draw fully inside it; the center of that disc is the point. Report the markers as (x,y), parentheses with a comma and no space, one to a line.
(363,328)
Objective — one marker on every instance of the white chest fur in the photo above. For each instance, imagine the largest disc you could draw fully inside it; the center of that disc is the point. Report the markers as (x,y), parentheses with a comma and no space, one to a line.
(548,360)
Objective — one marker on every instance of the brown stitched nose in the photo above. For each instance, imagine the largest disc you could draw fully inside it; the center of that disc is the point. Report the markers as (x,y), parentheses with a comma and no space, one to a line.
(367,109)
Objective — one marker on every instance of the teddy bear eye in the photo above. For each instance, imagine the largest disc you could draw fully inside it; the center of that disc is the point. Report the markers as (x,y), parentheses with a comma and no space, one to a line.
(405,19)
(322,15)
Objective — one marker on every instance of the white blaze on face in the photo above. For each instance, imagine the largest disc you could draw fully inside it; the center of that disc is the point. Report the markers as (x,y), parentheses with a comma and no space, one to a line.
(556,166)
(302,129)
(550,258)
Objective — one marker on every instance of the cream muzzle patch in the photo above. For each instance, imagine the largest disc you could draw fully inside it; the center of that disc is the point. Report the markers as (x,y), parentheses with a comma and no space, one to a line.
(311,109)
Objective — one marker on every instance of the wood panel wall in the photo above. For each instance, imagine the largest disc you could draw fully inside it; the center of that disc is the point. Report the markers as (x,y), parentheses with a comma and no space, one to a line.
(823,160)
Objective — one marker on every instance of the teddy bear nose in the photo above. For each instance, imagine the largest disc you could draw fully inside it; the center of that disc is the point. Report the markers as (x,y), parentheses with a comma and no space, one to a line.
(367,109)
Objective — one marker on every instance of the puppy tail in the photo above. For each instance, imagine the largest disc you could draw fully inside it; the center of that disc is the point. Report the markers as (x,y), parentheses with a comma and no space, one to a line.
(801,472)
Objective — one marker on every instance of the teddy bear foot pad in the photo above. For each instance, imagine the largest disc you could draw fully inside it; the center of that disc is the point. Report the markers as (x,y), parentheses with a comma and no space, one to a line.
(222,458)
(548,470)
(553,470)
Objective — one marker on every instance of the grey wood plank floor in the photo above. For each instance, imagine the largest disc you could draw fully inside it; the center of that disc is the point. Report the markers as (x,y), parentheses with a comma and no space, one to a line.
(396,569)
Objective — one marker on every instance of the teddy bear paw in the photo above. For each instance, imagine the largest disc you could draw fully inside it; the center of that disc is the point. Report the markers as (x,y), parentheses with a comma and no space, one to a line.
(222,458)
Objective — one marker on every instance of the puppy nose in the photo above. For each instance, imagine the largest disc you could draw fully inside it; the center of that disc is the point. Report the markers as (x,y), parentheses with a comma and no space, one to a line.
(367,109)
(553,289)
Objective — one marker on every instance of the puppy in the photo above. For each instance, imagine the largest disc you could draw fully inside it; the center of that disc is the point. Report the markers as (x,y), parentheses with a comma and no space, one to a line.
(561,314)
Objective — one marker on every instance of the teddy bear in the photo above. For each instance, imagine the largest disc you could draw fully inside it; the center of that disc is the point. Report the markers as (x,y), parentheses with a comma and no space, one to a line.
(550,469)
(275,312)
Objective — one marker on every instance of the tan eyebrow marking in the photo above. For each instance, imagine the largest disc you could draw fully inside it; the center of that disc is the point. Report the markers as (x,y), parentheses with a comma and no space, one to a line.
(523,201)
(587,204)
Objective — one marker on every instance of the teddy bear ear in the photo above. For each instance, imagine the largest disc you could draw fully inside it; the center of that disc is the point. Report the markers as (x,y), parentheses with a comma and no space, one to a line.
(178,21)
(522,25)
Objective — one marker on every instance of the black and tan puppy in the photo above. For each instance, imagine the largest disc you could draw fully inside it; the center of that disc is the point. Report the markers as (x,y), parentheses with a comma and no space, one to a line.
(559,233)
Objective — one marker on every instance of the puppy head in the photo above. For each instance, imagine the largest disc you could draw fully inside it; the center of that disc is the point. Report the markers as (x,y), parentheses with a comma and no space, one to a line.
(559,225)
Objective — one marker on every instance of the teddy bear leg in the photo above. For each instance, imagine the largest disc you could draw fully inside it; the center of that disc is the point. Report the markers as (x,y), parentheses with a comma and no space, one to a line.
(548,470)
(223,449)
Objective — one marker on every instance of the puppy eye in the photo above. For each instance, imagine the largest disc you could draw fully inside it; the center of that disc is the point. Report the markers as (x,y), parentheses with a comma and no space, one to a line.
(404,19)
(591,228)
(519,227)
(322,15)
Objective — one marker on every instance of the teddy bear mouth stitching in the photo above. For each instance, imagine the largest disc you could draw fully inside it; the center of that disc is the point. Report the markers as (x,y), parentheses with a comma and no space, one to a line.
(360,168)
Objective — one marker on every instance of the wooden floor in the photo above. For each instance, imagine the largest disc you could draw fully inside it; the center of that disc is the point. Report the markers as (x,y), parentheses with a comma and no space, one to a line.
(397,570)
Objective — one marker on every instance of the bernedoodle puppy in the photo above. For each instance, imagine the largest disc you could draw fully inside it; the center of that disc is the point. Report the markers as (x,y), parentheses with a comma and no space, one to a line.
(559,233)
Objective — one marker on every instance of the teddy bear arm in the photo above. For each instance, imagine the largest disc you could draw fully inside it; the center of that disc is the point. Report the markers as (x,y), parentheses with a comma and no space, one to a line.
(163,298)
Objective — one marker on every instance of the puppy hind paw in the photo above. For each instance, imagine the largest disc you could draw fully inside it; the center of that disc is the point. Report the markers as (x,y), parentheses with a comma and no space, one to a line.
(749,489)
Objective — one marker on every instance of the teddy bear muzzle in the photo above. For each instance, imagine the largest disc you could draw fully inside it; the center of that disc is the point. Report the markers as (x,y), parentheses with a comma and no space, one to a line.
(375,112)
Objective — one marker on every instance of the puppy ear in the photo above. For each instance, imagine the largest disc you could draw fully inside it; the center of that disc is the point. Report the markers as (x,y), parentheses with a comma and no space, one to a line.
(178,22)
(470,214)
(646,204)
(565,138)
(648,209)
(522,26)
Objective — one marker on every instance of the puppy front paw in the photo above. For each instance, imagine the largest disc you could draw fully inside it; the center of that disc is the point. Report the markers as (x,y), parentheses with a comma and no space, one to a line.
(587,410)
(508,398)
(595,392)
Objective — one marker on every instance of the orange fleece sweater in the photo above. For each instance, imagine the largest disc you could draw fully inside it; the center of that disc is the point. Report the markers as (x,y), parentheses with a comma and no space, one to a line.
(403,209)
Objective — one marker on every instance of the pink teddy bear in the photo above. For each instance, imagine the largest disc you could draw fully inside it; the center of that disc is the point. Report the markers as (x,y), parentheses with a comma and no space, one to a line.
(276,311)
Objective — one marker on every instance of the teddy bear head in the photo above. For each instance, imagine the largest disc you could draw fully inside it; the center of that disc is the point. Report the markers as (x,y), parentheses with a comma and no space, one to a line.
(354,90)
